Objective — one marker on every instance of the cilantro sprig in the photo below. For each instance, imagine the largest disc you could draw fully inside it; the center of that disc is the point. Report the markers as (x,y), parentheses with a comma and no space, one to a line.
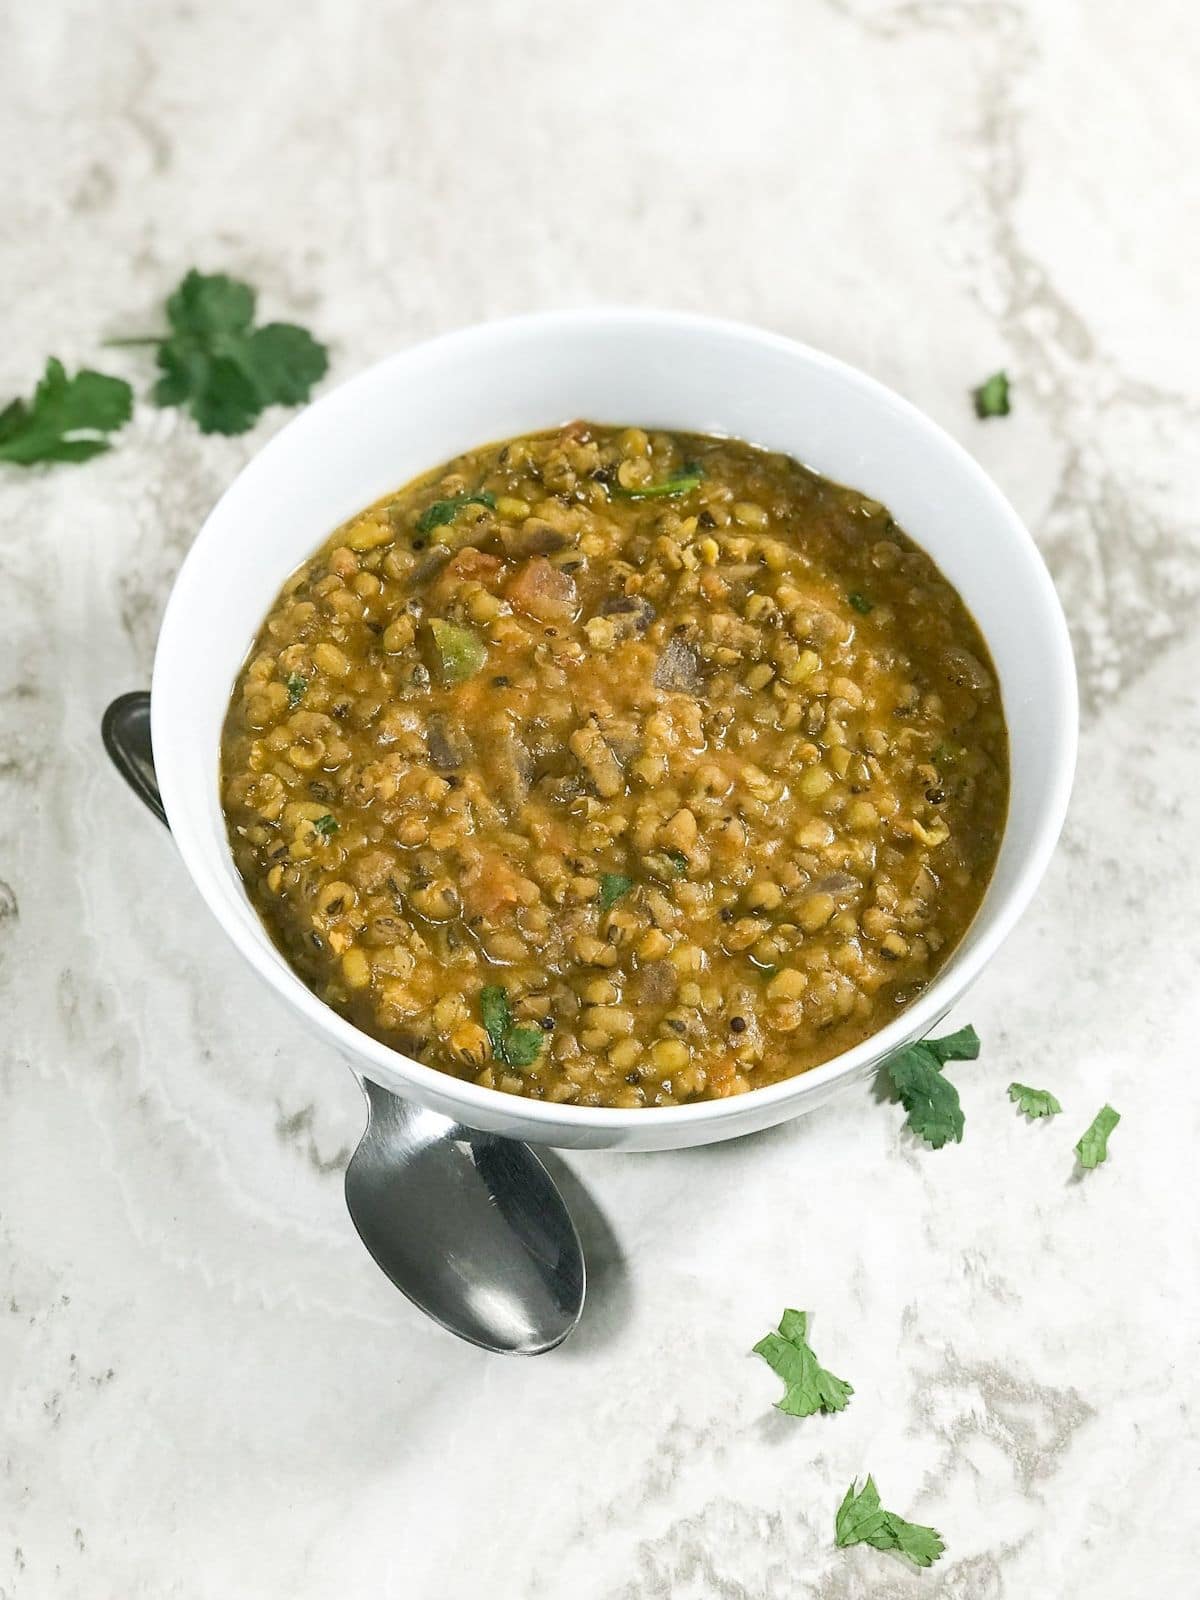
(517,1047)
(1033,1102)
(68,419)
(1092,1148)
(219,366)
(928,1096)
(861,1519)
(809,1386)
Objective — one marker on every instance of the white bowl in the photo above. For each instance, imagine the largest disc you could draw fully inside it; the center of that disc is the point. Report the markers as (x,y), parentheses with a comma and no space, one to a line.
(419,408)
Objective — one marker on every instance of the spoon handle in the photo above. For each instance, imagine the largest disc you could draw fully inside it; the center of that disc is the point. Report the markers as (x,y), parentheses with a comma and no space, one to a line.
(125,729)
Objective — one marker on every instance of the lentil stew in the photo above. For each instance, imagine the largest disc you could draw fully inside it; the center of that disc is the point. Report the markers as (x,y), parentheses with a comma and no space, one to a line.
(617,767)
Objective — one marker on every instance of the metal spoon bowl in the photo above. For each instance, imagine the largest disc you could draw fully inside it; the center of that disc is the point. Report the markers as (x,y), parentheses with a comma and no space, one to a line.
(468,1225)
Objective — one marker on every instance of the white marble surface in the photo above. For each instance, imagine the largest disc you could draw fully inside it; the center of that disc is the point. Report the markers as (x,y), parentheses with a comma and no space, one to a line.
(207,1389)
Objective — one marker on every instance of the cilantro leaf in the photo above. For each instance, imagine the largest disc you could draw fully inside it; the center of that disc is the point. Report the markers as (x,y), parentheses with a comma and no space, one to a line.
(960,1046)
(221,398)
(1092,1148)
(683,483)
(495,1015)
(810,1387)
(934,1111)
(286,362)
(612,886)
(920,1544)
(860,603)
(1033,1102)
(517,1047)
(991,397)
(211,303)
(442,512)
(862,1520)
(68,419)
(297,688)
(930,1099)
(522,1046)
(218,365)
(326,825)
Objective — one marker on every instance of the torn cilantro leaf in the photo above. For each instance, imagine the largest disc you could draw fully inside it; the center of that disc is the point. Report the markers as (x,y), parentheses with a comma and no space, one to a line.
(516,1046)
(809,1387)
(296,686)
(215,363)
(920,1544)
(929,1097)
(862,1520)
(991,397)
(612,886)
(860,603)
(522,1046)
(683,483)
(1033,1102)
(326,825)
(960,1046)
(68,419)
(1092,1148)
(442,512)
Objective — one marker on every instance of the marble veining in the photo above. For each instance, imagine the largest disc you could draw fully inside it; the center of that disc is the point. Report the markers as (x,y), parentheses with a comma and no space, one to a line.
(207,1388)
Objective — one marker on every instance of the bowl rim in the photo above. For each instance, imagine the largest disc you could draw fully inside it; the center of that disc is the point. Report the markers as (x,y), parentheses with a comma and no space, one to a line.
(913,1022)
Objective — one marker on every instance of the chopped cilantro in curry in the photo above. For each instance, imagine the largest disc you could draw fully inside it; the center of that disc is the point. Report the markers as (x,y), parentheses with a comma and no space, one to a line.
(683,483)
(612,886)
(442,512)
(516,1046)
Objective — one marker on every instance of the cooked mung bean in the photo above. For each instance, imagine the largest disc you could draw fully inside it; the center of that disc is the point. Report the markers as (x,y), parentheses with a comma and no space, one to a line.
(617,767)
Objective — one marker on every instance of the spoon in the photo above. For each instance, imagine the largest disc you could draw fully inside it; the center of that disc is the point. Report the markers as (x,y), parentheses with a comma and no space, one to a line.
(468,1225)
